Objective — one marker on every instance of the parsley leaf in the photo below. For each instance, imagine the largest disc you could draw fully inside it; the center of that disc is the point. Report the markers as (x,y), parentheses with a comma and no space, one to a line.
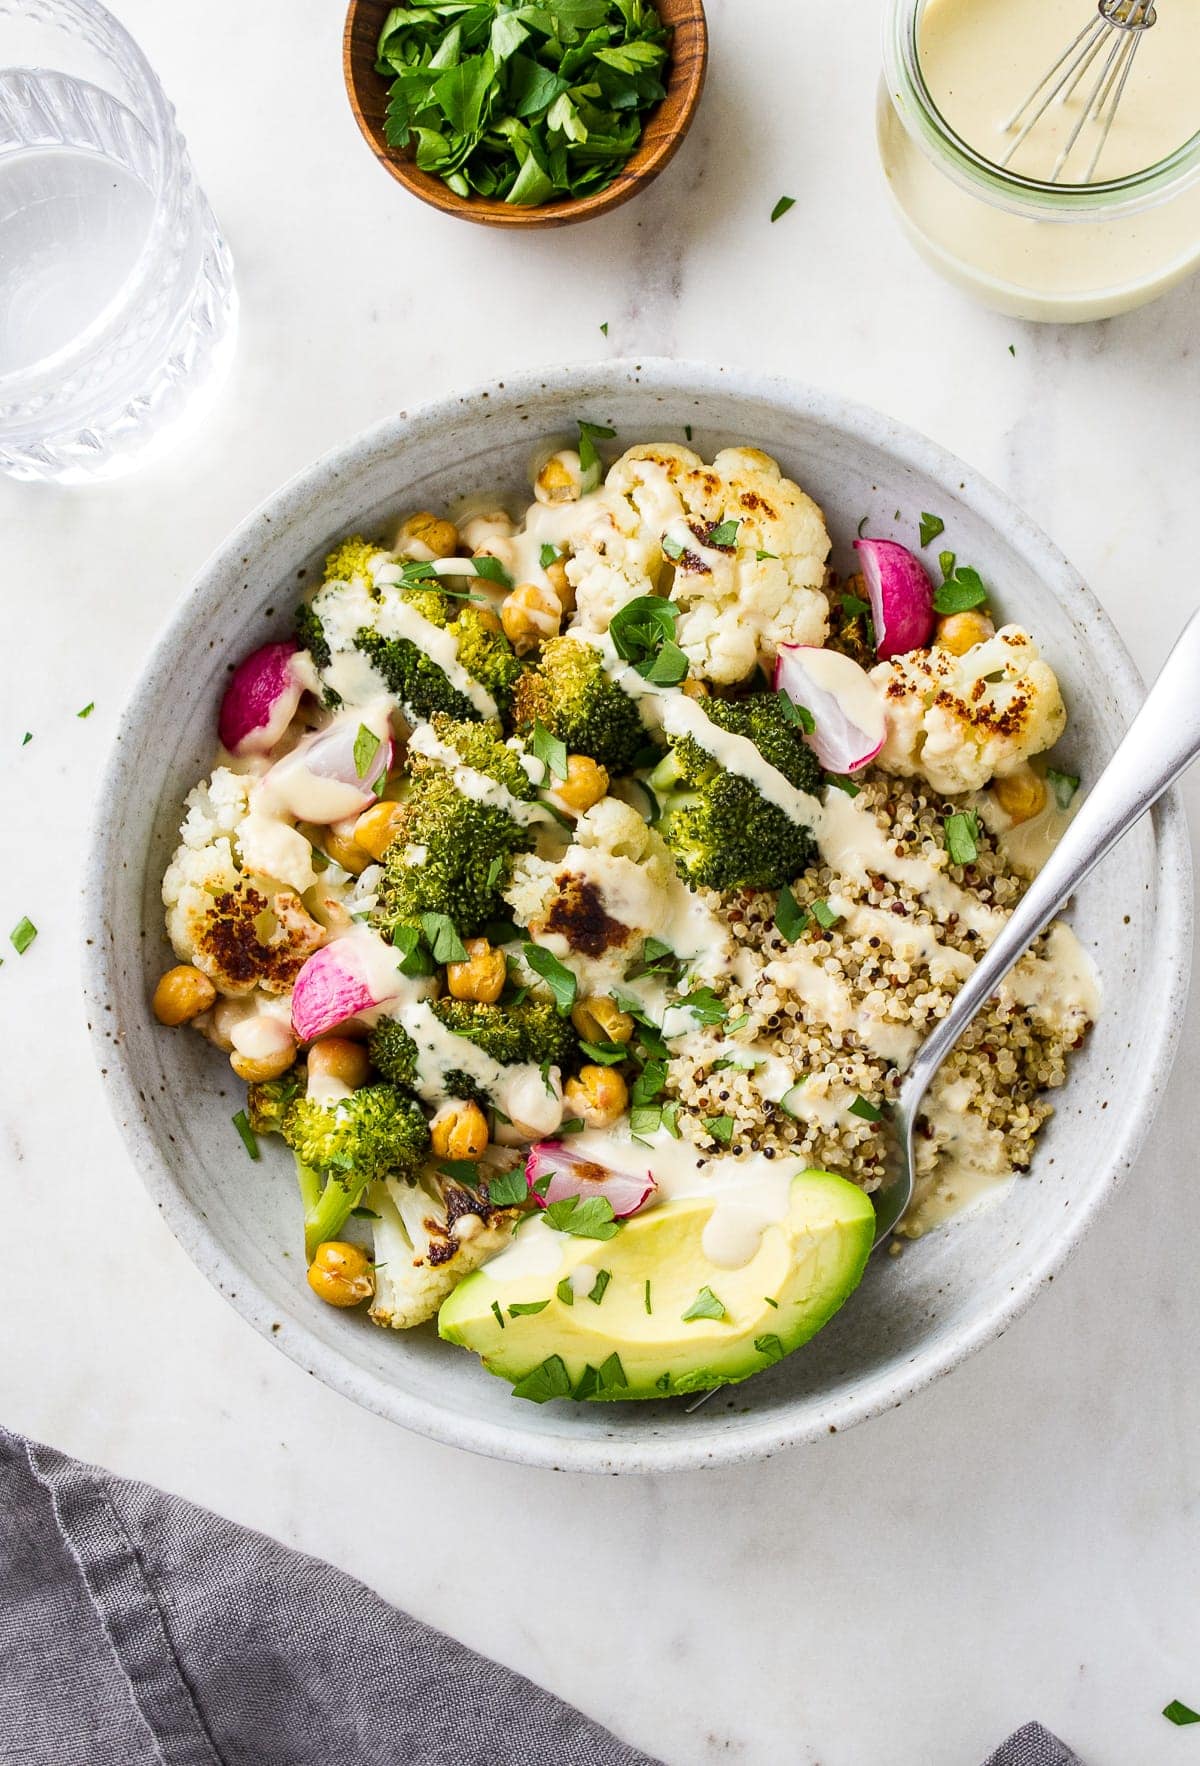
(565,1291)
(548,555)
(770,1348)
(527,1308)
(23,935)
(249,1139)
(415,959)
(596,1293)
(584,1218)
(549,750)
(868,1111)
(790,917)
(507,1188)
(782,206)
(441,935)
(931,527)
(724,535)
(492,571)
(705,1305)
(1063,785)
(589,434)
(549,1380)
(721,1128)
(558,978)
(962,837)
(1180,1714)
(366,747)
(960,591)
(824,915)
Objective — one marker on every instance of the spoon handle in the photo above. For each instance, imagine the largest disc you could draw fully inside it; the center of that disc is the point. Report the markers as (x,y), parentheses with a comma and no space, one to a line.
(1162,741)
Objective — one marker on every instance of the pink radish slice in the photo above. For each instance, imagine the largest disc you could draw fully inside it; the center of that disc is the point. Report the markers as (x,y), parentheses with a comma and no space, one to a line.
(319,781)
(901,596)
(260,700)
(570,1174)
(849,719)
(336,983)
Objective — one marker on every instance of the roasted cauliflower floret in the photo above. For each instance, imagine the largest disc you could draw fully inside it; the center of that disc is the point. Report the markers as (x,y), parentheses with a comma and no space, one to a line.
(428,1236)
(958,721)
(747,548)
(241,925)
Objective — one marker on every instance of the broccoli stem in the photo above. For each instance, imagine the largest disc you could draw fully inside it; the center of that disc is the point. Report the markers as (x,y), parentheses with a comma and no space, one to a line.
(667,773)
(326,1208)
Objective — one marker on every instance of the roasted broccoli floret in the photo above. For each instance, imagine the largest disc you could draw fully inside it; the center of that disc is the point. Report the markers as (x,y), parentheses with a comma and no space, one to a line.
(393,1052)
(342,1147)
(418,682)
(724,834)
(532,1030)
(269,1102)
(450,855)
(482,746)
(573,697)
(310,635)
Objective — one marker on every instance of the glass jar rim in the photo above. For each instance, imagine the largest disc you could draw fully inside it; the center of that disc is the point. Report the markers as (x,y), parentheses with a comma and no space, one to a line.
(168,151)
(1034,197)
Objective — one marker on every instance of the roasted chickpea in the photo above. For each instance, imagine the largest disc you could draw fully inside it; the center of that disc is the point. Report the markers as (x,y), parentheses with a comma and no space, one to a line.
(467,1226)
(337,1058)
(267,1065)
(960,632)
(564,588)
(481,532)
(694,688)
(182,993)
(530,615)
(560,479)
(585,784)
(1021,795)
(601,1019)
(425,536)
(599,1095)
(459,1130)
(488,618)
(377,827)
(339,844)
(481,977)
(341,1274)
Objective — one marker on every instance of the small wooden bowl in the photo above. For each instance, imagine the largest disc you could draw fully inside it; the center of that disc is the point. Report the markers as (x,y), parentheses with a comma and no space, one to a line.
(664,129)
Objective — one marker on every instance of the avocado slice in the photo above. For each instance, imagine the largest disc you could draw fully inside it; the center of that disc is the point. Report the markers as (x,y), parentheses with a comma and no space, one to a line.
(645,1314)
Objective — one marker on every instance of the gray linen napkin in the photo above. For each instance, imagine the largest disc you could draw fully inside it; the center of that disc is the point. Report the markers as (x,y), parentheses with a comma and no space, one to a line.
(137,1630)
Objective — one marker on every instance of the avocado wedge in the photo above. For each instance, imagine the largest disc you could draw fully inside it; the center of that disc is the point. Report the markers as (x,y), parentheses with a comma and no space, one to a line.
(645,1314)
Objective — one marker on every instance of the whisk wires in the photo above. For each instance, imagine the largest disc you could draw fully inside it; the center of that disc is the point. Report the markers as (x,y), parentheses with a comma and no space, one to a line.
(1118,27)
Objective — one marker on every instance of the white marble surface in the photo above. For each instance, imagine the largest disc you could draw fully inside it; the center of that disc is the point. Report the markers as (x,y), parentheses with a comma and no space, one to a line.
(1020,1540)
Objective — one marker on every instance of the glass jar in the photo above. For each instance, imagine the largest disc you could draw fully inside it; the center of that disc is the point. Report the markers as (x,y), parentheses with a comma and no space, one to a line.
(117,304)
(1033,249)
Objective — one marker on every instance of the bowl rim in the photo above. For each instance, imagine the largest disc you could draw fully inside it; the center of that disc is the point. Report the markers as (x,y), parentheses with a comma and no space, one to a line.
(685,85)
(235,1280)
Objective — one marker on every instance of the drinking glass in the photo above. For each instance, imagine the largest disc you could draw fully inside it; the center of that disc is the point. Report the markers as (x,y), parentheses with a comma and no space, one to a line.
(117,303)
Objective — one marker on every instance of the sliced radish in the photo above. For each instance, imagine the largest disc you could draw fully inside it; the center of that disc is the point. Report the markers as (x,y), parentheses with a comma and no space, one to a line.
(260,700)
(352,975)
(554,1171)
(332,774)
(849,719)
(901,596)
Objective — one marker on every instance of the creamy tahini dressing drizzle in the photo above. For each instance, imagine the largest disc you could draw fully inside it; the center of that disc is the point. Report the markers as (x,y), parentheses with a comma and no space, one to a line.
(480,787)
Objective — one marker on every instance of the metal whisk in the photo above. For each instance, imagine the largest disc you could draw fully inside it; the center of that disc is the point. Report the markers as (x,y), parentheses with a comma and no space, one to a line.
(1118,27)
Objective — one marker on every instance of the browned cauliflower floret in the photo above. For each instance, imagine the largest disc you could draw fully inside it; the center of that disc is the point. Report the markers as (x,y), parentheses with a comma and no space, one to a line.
(958,721)
(428,1236)
(743,548)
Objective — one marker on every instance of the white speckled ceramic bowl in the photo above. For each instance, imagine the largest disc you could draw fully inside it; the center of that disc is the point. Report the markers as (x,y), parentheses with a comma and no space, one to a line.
(913,1318)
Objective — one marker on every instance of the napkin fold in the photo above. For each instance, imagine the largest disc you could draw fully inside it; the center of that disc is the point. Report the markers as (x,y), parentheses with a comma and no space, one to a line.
(139,1630)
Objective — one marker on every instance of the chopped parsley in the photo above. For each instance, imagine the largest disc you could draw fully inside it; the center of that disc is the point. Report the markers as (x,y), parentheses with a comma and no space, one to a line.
(770,1348)
(770,1302)
(565,1291)
(88,709)
(26,738)
(643,633)
(931,527)
(1063,785)
(604,327)
(498,1313)
(868,1111)
(962,837)
(249,1139)
(507,1188)
(672,547)
(22,935)
(844,784)
(1180,1714)
(556,975)
(527,1308)
(854,605)
(441,935)
(548,555)
(598,1287)
(549,750)
(366,747)
(414,959)
(705,1305)
(790,917)
(799,715)
(589,435)
(548,1380)
(962,589)
(720,1128)
(824,915)
(724,535)
(782,206)
(590,1218)
(646,1298)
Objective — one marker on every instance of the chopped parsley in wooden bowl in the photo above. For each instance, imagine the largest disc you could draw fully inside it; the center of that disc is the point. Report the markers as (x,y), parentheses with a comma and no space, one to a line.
(525,112)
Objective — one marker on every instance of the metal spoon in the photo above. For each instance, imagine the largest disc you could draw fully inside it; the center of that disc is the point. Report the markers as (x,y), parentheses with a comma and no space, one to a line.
(1162,741)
